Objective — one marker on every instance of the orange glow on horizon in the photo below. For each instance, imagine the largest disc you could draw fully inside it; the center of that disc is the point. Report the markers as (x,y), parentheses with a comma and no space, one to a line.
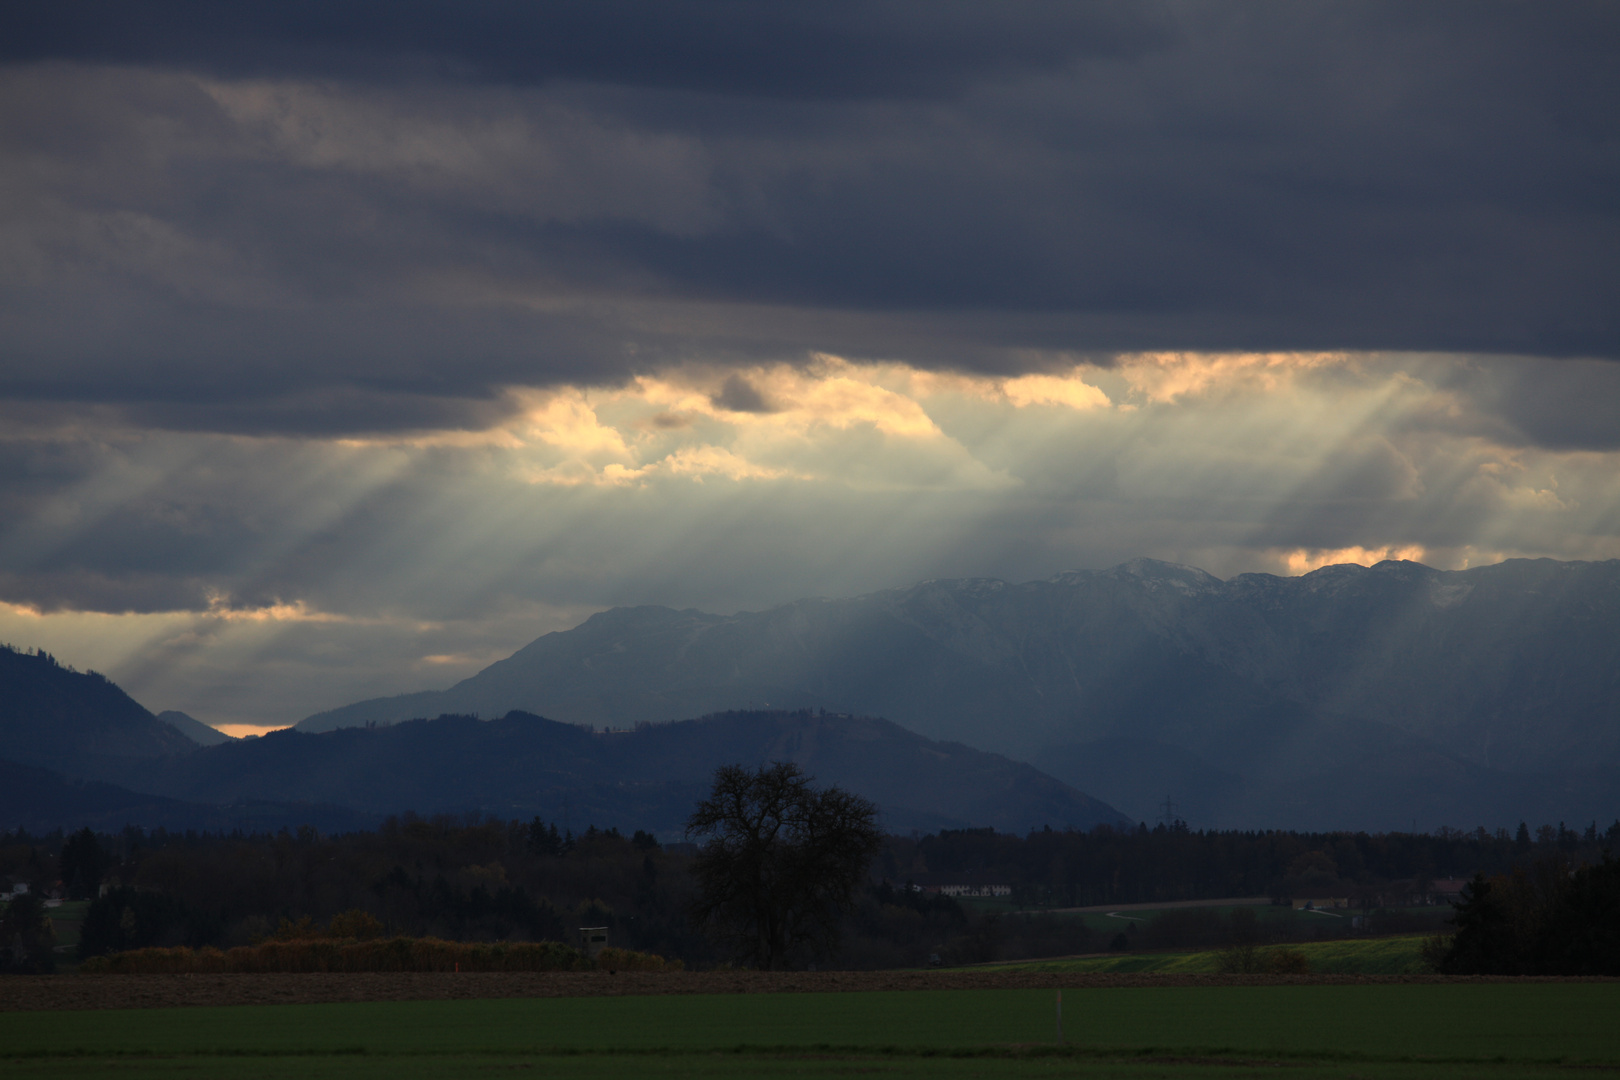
(238,731)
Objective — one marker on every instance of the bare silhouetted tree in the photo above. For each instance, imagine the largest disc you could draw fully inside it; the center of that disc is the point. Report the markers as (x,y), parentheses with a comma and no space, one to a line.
(781,863)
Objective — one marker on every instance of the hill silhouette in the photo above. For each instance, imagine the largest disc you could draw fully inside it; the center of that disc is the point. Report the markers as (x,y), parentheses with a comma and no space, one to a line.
(521,765)
(193,729)
(76,722)
(40,801)
(124,766)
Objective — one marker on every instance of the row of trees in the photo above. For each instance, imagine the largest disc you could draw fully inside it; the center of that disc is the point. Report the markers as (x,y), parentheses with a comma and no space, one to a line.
(1104,865)
(785,874)
(780,875)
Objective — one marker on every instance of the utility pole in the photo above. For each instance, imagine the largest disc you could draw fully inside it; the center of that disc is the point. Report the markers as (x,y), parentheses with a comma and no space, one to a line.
(1167,813)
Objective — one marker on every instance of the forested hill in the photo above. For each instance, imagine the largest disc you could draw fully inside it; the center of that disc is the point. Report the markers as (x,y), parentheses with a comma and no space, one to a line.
(651,778)
(121,765)
(1349,697)
(193,729)
(41,801)
(59,718)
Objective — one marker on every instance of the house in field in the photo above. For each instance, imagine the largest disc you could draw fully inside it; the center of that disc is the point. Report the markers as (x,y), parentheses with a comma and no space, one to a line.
(1446,890)
(1417,893)
(963,885)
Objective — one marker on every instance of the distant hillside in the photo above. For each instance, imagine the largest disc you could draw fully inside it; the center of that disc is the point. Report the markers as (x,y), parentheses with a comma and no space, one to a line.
(1408,692)
(650,778)
(40,801)
(193,729)
(56,720)
(75,722)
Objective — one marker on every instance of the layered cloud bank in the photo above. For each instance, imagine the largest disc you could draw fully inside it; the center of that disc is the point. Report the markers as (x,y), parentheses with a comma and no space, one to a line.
(356,565)
(344,348)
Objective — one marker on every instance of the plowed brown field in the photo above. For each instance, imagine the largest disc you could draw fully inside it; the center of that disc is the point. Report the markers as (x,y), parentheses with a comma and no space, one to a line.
(23,992)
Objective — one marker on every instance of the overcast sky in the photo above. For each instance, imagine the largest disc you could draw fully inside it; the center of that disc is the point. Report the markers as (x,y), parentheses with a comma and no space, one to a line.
(346,347)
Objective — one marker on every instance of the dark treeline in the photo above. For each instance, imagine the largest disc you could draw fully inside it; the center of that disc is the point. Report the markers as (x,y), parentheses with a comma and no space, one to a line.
(488,880)
(1550,918)
(461,880)
(479,880)
(1051,868)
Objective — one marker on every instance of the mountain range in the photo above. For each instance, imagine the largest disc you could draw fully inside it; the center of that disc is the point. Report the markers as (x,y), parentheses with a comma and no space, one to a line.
(76,750)
(1385,697)
(1356,697)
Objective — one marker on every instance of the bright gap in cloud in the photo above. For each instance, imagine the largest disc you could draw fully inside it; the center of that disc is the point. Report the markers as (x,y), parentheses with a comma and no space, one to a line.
(242,731)
(337,569)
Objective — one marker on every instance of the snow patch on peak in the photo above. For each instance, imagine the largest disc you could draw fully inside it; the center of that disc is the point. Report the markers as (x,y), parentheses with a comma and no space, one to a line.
(978,586)
(1174,575)
(1405,568)
(1339,569)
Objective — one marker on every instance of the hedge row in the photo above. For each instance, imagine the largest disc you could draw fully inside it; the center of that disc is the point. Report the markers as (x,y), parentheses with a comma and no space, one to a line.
(391,954)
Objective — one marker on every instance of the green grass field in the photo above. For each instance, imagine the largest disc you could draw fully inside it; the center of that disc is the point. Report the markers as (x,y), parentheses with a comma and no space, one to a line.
(1268,915)
(1352,956)
(1438,1031)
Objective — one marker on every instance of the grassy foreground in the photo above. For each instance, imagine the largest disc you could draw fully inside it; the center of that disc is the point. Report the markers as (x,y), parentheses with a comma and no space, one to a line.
(1457,1030)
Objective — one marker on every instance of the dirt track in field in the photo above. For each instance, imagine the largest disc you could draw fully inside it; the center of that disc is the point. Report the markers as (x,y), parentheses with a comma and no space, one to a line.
(25,992)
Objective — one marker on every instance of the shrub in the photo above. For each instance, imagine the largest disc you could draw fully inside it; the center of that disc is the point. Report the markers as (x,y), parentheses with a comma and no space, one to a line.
(357,924)
(1247,959)
(1435,949)
(354,924)
(1242,959)
(1288,962)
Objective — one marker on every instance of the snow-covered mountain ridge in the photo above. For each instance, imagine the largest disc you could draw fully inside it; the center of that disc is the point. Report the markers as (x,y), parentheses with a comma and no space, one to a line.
(1511,668)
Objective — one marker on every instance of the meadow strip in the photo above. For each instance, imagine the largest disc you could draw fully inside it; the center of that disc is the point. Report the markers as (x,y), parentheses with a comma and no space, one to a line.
(1398,955)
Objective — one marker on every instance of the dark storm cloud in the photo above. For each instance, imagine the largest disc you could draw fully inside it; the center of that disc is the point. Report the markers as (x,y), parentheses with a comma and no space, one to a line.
(423,204)
(1573,406)
(830,50)
(90,590)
